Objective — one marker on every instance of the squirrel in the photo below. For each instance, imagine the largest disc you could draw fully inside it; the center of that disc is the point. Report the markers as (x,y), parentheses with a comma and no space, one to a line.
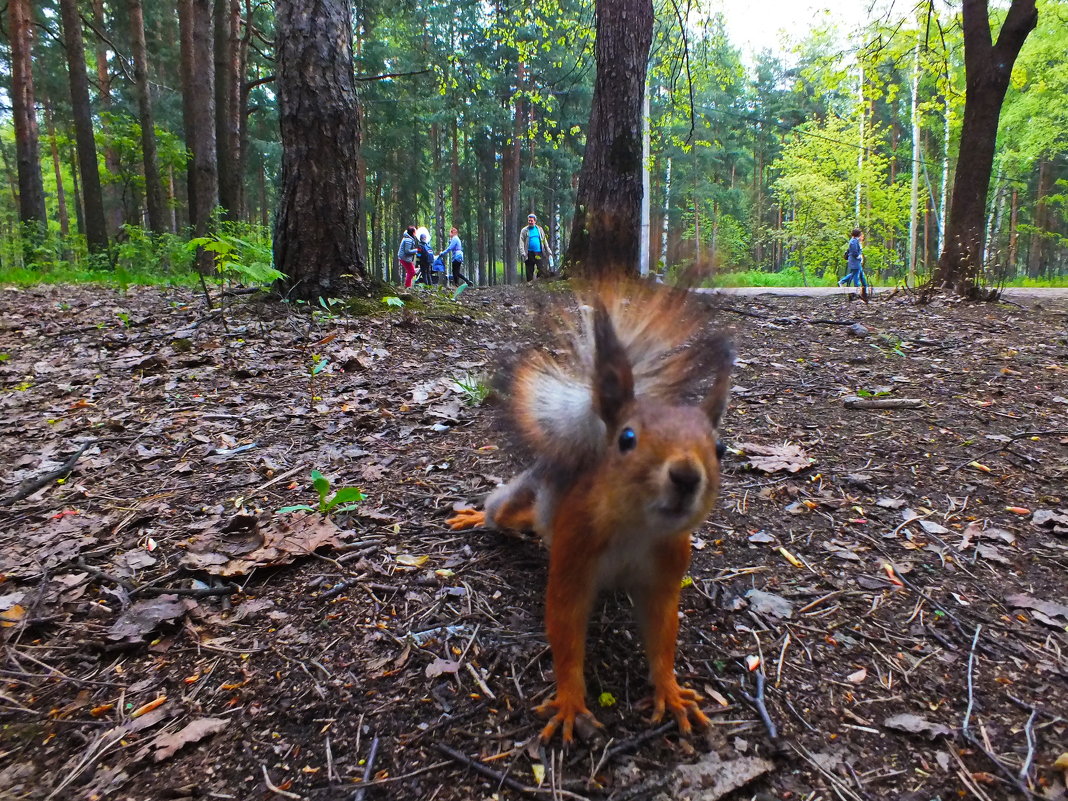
(624,470)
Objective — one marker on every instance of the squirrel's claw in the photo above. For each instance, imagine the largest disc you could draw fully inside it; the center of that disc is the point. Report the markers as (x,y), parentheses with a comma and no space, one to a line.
(682,702)
(567,715)
(466,518)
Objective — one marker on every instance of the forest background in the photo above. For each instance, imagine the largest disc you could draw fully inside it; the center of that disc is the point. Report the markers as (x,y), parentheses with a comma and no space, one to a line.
(474,115)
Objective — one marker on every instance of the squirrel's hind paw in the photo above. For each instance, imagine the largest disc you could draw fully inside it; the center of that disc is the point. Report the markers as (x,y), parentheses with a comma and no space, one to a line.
(568,716)
(681,702)
(466,518)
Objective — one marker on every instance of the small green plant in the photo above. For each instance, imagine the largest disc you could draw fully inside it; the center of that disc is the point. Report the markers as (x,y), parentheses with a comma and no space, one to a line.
(890,345)
(344,499)
(124,317)
(474,387)
(866,393)
(393,302)
(242,253)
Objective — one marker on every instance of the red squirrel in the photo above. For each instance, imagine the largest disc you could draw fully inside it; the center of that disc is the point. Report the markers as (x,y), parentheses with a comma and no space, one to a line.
(624,470)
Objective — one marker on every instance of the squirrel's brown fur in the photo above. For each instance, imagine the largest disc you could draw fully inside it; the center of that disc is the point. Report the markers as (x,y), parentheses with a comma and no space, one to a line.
(623,471)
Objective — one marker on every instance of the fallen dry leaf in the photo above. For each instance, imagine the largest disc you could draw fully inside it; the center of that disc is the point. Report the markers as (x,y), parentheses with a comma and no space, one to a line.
(914,724)
(167,745)
(248,542)
(144,617)
(774,458)
(1050,608)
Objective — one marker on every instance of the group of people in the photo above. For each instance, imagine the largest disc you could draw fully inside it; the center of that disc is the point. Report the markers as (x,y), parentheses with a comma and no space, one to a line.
(419,263)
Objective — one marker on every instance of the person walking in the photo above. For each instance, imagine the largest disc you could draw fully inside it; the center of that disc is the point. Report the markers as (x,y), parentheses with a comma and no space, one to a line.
(455,253)
(855,263)
(534,248)
(406,255)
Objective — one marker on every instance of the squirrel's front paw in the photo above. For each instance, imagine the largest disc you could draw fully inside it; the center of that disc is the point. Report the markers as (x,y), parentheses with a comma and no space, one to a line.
(567,715)
(466,518)
(681,702)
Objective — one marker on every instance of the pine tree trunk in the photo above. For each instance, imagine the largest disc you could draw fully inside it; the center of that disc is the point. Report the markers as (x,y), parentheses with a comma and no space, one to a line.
(57,169)
(199,99)
(186,15)
(95,227)
(606,230)
(112,192)
(157,220)
(27,136)
(316,238)
(1036,253)
(1013,233)
(79,212)
(227,58)
(987,71)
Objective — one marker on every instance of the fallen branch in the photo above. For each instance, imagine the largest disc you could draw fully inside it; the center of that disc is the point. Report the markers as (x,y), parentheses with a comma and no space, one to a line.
(368,771)
(32,485)
(757,700)
(882,403)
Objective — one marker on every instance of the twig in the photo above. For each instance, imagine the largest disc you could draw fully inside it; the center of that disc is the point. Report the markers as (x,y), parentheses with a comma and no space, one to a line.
(192,592)
(757,701)
(368,770)
(31,486)
(1029,733)
(275,789)
(971,689)
(882,403)
(625,746)
(501,778)
(1012,438)
(1017,781)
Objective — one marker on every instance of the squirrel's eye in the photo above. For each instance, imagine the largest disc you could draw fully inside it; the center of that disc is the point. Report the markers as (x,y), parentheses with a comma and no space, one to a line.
(721,448)
(627,439)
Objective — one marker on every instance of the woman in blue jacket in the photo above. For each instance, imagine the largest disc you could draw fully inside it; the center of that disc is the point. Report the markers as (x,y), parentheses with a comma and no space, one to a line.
(455,251)
(855,262)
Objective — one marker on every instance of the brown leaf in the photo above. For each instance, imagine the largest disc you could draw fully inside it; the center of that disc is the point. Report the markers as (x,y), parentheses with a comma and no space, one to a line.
(246,543)
(774,458)
(914,724)
(146,616)
(167,745)
(1051,608)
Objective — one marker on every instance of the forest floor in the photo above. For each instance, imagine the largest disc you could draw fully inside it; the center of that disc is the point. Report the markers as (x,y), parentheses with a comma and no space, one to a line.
(168,635)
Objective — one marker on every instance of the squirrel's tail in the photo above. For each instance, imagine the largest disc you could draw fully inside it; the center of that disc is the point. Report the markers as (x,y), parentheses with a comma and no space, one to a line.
(553,395)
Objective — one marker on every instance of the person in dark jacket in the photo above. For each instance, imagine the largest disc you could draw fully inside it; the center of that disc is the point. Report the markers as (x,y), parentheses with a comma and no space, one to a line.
(855,262)
(424,257)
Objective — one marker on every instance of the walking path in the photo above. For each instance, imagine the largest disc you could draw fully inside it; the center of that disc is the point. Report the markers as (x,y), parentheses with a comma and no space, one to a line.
(1011,293)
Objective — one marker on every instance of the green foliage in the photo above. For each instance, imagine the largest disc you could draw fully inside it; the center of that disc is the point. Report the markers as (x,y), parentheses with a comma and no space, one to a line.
(344,499)
(393,302)
(475,388)
(242,252)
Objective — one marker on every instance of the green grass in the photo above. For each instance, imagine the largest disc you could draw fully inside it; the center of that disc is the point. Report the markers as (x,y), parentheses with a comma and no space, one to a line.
(121,277)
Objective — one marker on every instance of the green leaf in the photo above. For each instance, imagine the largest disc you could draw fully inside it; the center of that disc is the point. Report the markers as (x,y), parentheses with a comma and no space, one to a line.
(300,507)
(322,486)
(345,495)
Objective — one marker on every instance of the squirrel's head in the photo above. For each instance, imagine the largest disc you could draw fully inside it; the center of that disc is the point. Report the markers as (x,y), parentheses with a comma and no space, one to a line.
(661,461)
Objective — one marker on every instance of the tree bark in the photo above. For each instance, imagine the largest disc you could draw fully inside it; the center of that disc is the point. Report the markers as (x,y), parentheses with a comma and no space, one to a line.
(1036,253)
(95,230)
(198,107)
(316,236)
(228,80)
(27,134)
(157,219)
(987,70)
(61,194)
(605,237)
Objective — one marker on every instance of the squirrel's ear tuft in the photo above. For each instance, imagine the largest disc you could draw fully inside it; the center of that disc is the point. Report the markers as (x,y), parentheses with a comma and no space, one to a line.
(716,402)
(613,379)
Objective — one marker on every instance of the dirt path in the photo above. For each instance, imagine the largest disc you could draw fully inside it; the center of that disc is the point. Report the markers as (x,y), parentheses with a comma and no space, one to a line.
(908,577)
(1011,293)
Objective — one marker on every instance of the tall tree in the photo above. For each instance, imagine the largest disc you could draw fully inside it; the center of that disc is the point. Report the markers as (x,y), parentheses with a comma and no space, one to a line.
(987,69)
(198,109)
(153,188)
(27,136)
(316,235)
(96,232)
(227,98)
(605,234)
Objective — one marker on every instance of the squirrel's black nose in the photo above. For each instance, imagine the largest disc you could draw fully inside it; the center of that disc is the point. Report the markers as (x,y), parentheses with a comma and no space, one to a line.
(685,476)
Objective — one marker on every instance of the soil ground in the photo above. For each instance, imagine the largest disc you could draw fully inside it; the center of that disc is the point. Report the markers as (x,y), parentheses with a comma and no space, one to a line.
(166,635)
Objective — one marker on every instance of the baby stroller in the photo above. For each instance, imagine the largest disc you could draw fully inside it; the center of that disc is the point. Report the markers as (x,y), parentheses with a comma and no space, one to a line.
(439,275)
